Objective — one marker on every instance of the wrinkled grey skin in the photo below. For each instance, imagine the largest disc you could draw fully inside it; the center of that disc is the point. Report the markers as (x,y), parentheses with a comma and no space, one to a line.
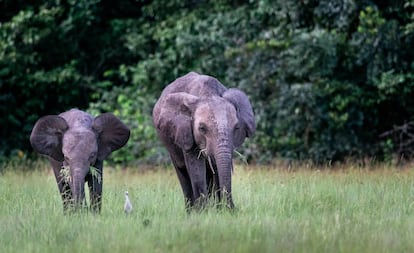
(76,140)
(201,122)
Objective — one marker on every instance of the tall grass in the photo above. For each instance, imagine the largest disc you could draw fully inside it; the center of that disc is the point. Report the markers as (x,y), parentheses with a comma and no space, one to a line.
(277,211)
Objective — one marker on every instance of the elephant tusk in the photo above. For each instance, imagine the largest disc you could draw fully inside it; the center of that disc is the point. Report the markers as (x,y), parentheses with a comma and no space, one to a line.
(211,165)
(202,152)
(242,157)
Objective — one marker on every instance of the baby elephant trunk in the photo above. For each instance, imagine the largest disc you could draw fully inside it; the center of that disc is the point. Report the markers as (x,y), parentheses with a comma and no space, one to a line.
(78,186)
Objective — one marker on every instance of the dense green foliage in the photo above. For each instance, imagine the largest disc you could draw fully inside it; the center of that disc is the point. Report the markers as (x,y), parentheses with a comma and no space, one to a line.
(277,211)
(326,78)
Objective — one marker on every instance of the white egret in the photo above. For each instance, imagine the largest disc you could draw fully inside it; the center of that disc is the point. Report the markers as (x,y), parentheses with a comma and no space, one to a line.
(127,205)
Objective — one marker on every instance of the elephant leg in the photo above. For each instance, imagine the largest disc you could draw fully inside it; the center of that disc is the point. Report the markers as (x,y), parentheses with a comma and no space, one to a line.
(177,159)
(63,185)
(185,182)
(95,183)
(197,171)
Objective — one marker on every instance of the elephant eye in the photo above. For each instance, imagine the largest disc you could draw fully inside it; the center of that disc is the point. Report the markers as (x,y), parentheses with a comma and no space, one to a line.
(202,128)
(237,127)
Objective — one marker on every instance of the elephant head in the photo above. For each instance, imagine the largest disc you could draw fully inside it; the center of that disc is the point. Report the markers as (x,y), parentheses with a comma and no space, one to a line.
(211,125)
(76,140)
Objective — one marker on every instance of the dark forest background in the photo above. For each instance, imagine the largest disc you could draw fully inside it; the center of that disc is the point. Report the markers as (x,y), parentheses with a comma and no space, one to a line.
(330,80)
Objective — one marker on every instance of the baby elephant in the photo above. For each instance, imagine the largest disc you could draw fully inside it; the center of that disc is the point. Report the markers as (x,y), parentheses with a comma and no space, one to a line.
(74,141)
(201,122)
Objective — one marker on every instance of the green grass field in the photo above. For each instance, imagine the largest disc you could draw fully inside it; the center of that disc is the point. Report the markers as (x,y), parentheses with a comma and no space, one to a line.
(349,210)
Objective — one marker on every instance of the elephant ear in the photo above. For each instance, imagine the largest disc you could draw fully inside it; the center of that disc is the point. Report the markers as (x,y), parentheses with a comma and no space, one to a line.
(112,134)
(244,114)
(46,136)
(176,119)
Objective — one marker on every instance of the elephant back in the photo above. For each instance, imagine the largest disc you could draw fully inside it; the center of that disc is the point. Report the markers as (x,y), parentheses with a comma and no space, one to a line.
(195,84)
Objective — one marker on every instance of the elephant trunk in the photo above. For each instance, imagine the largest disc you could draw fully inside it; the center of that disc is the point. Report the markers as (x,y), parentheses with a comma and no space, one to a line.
(224,163)
(78,186)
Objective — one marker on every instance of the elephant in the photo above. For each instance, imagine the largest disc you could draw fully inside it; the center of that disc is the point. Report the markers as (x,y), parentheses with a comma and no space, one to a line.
(76,141)
(201,122)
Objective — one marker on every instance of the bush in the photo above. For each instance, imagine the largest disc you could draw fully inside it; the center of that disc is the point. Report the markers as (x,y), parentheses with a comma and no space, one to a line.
(326,78)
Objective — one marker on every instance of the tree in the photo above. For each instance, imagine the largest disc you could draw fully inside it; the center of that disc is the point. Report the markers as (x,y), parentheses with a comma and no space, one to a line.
(326,78)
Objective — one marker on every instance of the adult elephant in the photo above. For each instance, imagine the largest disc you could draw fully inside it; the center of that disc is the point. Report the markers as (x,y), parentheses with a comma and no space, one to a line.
(78,141)
(201,122)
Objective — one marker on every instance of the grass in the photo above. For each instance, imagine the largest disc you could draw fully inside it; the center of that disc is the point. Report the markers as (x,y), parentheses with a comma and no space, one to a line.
(349,210)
